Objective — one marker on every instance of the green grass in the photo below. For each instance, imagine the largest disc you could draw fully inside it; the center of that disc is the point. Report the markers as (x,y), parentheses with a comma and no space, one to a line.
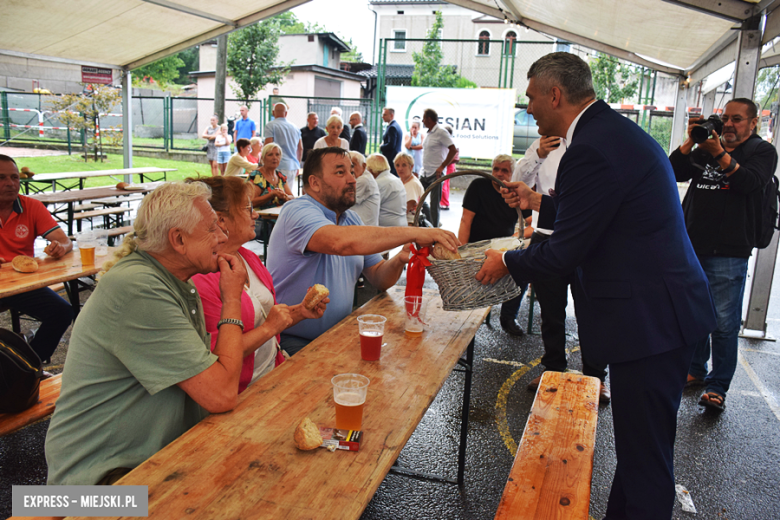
(73,163)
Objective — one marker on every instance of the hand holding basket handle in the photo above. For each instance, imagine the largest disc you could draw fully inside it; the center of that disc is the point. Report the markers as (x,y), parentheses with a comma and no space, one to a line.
(461,173)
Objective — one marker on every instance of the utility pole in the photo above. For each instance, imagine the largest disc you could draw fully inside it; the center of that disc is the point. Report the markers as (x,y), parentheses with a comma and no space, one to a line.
(220,78)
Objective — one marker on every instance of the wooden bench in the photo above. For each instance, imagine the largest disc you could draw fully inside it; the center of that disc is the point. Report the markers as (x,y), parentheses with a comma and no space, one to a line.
(552,471)
(49,392)
(100,213)
(117,201)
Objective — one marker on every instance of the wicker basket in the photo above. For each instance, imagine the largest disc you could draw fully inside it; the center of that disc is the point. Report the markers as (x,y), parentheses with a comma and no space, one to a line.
(458,286)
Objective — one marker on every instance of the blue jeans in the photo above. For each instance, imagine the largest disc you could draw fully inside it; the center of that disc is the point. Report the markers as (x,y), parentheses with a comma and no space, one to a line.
(54,313)
(727,285)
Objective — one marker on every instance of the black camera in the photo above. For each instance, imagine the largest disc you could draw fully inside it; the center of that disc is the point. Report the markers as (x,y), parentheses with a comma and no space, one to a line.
(702,132)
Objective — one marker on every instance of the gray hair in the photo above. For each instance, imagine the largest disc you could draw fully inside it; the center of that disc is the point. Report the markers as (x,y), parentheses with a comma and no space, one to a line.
(498,159)
(170,205)
(334,118)
(267,148)
(255,140)
(354,154)
(566,71)
(337,110)
(405,157)
(377,163)
(356,114)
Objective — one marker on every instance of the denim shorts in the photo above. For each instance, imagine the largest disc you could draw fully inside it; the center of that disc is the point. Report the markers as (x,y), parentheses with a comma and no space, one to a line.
(223,157)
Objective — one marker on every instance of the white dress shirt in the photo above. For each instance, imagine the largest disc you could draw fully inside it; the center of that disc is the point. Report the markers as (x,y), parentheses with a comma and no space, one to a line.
(540,172)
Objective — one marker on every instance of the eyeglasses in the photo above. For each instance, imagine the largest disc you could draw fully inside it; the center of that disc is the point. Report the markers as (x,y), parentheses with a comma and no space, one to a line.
(734,119)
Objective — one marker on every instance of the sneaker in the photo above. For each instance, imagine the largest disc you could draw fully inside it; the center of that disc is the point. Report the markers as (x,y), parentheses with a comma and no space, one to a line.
(605,396)
(511,327)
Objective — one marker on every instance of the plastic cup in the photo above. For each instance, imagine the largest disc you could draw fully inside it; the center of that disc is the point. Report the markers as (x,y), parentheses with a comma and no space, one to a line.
(101,237)
(372,330)
(349,394)
(414,323)
(87,244)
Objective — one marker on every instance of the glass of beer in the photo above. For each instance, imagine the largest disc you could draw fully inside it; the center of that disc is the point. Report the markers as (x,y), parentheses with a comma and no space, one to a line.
(87,243)
(349,394)
(372,330)
(415,315)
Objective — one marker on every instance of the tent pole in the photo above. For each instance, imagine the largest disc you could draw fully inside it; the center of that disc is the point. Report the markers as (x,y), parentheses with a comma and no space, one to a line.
(127,122)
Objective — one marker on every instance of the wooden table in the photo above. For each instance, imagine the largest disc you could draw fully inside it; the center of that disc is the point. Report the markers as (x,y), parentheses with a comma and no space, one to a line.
(67,270)
(243,464)
(55,179)
(73,196)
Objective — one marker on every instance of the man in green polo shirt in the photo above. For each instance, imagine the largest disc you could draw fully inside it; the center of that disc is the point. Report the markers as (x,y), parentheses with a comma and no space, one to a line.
(139,371)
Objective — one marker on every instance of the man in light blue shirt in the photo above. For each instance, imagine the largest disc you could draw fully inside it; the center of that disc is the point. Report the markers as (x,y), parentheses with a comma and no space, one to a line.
(318,239)
(286,135)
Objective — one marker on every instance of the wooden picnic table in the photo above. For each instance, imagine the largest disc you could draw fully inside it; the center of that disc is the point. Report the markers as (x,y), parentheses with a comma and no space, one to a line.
(73,196)
(55,179)
(67,269)
(243,464)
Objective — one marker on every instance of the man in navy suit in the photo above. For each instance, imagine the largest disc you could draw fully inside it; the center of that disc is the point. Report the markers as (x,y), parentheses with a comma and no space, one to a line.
(641,298)
(392,139)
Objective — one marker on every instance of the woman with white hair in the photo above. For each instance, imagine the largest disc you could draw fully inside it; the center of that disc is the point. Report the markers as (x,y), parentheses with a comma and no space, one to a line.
(256,149)
(414,188)
(334,125)
(366,191)
(392,194)
(270,186)
(140,371)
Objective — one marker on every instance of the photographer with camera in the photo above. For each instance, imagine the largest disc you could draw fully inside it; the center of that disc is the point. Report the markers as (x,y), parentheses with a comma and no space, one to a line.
(722,208)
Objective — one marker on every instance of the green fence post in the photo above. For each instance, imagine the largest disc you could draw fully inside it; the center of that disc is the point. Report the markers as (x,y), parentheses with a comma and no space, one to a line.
(6,118)
(165,123)
(70,148)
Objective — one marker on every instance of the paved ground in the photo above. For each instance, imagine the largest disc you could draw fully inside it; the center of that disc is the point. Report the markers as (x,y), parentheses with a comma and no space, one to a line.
(14,152)
(728,462)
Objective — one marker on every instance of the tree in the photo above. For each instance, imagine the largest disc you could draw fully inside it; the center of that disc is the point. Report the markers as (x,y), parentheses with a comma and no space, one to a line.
(353,56)
(612,79)
(163,71)
(767,87)
(82,112)
(428,69)
(252,58)
(190,61)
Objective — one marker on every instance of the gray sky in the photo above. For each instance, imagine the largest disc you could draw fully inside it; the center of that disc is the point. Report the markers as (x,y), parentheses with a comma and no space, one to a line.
(350,18)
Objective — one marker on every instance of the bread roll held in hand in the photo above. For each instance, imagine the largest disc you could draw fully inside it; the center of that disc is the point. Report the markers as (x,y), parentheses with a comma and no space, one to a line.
(442,253)
(315,295)
(307,435)
(24,264)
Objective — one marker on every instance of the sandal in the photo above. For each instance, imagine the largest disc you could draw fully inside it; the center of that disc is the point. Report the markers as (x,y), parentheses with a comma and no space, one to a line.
(713,400)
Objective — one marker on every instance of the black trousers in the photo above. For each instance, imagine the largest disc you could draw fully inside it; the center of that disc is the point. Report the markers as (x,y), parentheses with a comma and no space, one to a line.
(553,296)
(646,395)
(434,199)
(54,313)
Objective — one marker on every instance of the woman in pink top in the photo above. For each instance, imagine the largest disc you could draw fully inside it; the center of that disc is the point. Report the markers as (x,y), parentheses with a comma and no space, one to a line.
(263,319)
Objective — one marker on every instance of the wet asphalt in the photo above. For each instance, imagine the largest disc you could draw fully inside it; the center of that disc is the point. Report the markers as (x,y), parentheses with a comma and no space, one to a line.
(728,461)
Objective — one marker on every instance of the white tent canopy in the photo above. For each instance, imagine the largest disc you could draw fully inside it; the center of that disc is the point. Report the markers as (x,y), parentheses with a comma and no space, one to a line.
(122,34)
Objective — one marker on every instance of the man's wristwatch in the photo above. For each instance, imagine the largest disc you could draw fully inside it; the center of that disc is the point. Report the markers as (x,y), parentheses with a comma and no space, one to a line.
(731,167)
(720,155)
(230,321)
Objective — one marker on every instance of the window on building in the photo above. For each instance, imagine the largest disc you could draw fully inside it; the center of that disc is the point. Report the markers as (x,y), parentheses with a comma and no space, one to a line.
(510,43)
(399,12)
(311,38)
(399,45)
(483,47)
(325,55)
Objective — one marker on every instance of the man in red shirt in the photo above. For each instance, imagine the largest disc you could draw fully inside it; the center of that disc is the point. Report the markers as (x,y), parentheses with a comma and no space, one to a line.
(22,219)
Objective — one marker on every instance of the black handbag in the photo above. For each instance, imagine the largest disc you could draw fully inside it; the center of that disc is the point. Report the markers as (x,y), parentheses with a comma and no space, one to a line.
(20,373)
(205,148)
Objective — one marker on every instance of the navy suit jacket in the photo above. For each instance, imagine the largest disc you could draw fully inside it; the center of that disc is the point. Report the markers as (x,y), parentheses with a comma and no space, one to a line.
(391,143)
(359,140)
(639,288)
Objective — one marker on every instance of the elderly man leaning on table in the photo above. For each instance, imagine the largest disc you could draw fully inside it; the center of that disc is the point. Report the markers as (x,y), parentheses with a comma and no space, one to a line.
(22,219)
(139,370)
(318,239)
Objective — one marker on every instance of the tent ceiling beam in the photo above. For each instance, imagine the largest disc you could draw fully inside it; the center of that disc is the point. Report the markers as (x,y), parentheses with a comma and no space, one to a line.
(191,11)
(31,56)
(565,35)
(732,10)
(208,35)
